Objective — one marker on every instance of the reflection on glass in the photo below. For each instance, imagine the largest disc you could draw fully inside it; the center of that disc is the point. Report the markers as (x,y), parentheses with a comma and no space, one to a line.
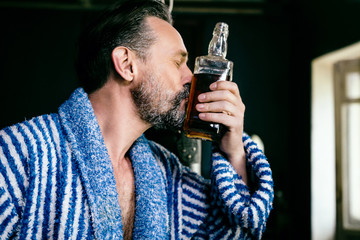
(352,85)
(351,145)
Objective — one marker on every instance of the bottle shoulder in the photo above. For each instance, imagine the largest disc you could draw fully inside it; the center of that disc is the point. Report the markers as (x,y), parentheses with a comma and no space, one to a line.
(212,64)
(212,58)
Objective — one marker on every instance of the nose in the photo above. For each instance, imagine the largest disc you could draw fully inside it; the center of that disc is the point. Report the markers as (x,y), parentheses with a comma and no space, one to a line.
(187,75)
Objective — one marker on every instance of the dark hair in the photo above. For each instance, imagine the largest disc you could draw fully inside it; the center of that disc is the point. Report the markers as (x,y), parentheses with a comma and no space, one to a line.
(123,24)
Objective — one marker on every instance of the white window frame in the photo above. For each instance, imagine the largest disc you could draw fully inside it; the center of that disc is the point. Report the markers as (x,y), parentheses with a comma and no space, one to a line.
(347,227)
(323,171)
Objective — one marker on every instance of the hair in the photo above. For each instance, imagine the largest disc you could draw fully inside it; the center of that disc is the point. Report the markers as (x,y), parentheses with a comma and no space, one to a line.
(123,24)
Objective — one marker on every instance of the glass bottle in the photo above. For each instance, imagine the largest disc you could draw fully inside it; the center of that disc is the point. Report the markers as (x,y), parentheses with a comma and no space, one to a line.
(208,69)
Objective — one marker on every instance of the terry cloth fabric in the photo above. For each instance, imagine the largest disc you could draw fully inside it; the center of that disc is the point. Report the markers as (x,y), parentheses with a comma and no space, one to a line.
(56,181)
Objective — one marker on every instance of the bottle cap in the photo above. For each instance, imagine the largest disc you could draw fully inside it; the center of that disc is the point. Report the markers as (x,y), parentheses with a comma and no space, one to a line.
(221,27)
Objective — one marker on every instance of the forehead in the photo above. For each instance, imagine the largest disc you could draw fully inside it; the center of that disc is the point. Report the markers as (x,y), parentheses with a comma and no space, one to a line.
(168,39)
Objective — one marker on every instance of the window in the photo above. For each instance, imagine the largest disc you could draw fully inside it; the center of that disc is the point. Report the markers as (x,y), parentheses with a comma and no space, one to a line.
(347,134)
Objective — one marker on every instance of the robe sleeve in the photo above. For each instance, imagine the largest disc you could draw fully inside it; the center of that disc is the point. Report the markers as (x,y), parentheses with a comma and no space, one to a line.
(9,187)
(220,208)
(236,212)
(8,214)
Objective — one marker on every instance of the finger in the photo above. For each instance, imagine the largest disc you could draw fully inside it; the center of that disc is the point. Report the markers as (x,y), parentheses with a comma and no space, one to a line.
(219,95)
(225,85)
(227,120)
(218,107)
(225,113)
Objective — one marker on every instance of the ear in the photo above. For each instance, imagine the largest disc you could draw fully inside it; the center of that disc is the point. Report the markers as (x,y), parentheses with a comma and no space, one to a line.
(124,60)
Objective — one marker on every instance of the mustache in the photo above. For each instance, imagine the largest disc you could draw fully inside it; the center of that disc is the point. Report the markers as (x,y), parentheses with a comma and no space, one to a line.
(183,94)
(176,101)
(174,118)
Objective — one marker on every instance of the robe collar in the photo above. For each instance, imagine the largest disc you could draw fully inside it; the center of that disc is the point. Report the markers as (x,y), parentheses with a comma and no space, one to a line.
(91,156)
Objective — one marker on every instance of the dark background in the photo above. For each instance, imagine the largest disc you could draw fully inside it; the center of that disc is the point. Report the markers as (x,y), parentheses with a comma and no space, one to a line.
(271,43)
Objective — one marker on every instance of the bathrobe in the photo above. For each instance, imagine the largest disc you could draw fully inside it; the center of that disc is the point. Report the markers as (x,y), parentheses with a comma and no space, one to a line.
(57,182)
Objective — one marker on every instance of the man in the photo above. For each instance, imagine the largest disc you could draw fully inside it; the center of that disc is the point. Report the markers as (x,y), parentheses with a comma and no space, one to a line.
(89,172)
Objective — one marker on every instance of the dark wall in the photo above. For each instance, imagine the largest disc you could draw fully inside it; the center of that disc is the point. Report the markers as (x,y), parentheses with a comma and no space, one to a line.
(36,61)
(272,54)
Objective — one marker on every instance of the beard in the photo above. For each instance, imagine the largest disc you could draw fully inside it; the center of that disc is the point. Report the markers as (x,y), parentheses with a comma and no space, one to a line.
(156,105)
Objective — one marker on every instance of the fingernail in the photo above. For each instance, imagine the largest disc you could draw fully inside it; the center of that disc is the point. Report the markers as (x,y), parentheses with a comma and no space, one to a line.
(201,115)
(213,86)
(200,106)
(201,97)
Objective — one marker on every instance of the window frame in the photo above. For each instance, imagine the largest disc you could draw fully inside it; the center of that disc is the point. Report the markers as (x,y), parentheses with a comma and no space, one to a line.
(341,69)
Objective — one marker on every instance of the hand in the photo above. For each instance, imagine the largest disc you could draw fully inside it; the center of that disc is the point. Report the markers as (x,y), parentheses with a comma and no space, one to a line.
(224,105)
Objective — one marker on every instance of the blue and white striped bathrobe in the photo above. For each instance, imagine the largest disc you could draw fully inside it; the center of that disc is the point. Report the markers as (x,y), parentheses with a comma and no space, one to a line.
(57,182)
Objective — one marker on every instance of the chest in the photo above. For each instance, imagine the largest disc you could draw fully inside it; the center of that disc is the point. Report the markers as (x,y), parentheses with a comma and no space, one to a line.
(125,184)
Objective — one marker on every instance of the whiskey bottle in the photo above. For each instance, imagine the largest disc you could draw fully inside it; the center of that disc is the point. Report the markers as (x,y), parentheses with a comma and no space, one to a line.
(208,69)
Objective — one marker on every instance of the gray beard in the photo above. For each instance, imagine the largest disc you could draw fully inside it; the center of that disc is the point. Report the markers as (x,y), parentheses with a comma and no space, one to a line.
(157,107)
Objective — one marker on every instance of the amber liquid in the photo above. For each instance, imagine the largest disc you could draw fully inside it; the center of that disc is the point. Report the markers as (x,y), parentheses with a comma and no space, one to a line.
(193,126)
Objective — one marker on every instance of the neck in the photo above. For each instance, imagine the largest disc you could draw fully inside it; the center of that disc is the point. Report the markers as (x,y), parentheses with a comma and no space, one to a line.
(118,120)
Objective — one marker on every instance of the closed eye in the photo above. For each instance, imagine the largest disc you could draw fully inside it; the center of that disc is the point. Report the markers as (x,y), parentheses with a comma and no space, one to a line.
(180,58)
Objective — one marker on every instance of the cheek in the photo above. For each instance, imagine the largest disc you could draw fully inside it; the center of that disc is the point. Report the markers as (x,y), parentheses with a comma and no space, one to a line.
(173,80)
(170,77)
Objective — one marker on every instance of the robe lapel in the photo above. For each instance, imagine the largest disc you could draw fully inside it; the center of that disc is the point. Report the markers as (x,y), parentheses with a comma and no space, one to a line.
(88,148)
(151,217)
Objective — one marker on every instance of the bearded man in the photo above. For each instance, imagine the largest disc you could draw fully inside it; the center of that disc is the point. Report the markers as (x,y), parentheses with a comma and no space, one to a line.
(88,172)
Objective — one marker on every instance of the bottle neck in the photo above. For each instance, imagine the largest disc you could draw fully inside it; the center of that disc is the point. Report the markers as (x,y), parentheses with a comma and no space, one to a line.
(218,45)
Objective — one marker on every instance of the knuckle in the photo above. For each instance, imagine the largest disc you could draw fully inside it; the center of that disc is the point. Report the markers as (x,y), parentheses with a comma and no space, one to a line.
(227,105)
